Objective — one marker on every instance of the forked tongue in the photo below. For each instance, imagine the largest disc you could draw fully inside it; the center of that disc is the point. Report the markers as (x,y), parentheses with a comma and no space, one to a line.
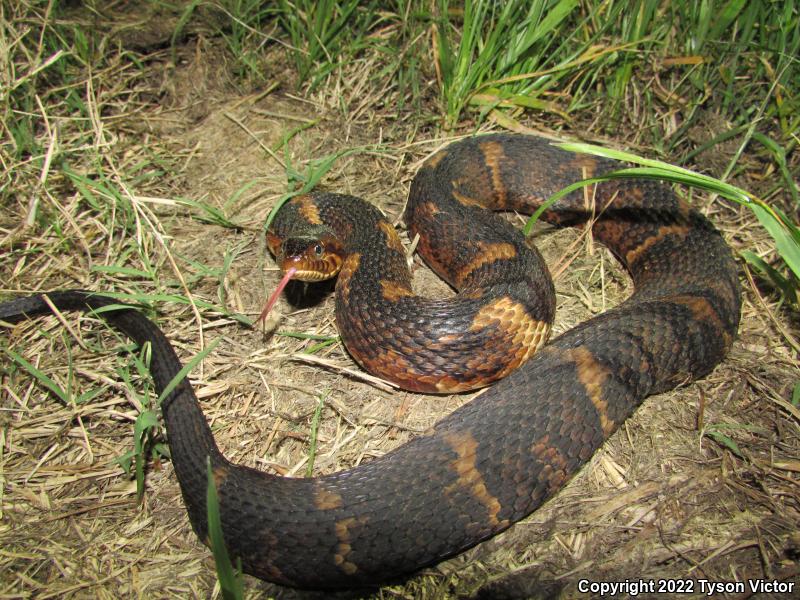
(274,297)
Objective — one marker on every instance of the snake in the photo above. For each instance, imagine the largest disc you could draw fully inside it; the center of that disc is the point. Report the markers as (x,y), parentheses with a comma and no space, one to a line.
(497,458)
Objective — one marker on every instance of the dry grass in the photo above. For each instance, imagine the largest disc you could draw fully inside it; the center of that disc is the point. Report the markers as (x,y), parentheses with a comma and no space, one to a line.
(663,498)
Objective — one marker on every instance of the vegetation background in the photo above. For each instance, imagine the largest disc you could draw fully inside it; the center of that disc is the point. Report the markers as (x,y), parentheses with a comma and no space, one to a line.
(144,144)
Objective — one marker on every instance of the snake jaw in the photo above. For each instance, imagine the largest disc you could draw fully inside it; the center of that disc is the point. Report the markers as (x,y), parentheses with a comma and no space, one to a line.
(313,258)
(311,269)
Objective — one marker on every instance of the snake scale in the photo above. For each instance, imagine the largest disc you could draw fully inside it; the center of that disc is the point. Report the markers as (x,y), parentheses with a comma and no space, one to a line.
(500,456)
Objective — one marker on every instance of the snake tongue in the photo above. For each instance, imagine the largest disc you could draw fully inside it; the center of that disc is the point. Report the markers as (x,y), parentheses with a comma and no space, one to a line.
(274,297)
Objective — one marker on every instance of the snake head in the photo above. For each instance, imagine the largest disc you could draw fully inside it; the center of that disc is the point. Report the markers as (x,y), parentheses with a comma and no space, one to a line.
(314,256)
(309,256)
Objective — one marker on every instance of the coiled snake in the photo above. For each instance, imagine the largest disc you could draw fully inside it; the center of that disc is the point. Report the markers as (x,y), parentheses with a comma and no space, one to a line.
(496,459)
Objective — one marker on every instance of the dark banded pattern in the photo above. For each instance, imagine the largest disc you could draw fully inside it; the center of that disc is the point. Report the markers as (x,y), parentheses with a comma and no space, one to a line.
(496,459)
(501,314)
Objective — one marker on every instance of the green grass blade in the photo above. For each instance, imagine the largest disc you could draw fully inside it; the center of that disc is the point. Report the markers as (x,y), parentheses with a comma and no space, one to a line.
(230,580)
(725,441)
(185,17)
(146,422)
(123,270)
(150,299)
(779,155)
(316,170)
(785,234)
(771,274)
(725,17)
(187,369)
(781,229)
(40,376)
(210,214)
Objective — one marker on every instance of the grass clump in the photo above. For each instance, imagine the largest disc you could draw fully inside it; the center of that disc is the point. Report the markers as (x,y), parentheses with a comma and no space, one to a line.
(322,34)
(678,60)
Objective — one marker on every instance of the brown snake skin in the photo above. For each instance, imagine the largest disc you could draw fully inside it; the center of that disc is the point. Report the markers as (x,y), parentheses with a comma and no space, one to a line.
(505,302)
(496,459)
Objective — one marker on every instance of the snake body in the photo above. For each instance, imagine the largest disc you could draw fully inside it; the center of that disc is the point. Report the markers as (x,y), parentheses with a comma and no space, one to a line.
(499,318)
(496,459)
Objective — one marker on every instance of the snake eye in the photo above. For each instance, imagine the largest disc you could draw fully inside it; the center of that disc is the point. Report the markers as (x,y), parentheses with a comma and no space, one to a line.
(318,250)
